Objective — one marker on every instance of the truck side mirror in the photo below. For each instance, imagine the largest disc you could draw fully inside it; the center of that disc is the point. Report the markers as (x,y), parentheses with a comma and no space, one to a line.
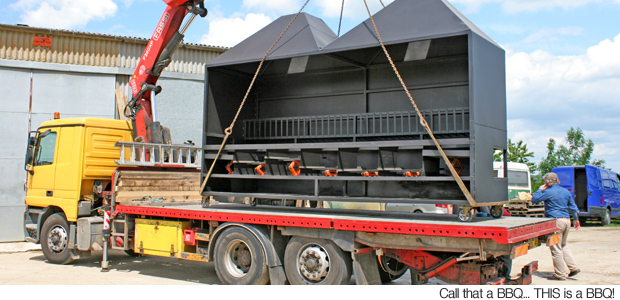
(32,141)
(44,134)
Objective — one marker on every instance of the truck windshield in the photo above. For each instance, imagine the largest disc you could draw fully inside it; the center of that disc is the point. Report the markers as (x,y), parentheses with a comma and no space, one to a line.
(518,179)
(45,150)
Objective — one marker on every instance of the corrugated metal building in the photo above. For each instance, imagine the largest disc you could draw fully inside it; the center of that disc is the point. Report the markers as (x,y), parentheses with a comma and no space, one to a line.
(43,71)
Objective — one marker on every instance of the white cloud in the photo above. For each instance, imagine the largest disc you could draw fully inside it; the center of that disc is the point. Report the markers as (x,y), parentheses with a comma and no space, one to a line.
(273,6)
(329,8)
(473,5)
(515,6)
(63,14)
(553,34)
(230,31)
(535,5)
(355,10)
(541,68)
(548,94)
(603,150)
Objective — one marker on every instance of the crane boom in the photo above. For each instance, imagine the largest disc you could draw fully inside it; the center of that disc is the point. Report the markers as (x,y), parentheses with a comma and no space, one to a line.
(157,55)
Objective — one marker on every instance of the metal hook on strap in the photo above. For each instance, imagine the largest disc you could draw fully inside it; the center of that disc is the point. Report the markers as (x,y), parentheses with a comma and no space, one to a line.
(229,167)
(330,173)
(411,174)
(291,167)
(259,169)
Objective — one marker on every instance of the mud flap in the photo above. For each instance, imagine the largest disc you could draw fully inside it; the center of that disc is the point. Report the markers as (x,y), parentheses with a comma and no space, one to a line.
(526,273)
(365,267)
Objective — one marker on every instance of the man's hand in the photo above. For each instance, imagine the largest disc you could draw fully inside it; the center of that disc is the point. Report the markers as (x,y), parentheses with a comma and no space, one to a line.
(576,224)
(544,187)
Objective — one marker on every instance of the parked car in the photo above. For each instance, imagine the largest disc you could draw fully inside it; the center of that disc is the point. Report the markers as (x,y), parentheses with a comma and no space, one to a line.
(402,207)
(594,189)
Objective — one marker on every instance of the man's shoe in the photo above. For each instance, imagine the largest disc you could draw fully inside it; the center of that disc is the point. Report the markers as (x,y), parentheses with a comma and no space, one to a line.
(553,277)
(573,273)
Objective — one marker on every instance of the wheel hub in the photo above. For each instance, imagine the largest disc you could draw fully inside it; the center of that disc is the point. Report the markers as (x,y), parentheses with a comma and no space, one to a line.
(314,263)
(238,258)
(244,258)
(57,239)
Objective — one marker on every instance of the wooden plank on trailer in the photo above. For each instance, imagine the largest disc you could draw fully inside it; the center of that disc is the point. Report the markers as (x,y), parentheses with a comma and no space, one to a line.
(159,194)
(146,190)
(121,102)
(158,182)
(157,197)
(162,175)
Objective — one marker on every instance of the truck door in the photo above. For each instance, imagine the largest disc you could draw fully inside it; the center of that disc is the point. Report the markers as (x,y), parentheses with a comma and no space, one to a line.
(581,188)
(41,179)
(595,191)
(606,181)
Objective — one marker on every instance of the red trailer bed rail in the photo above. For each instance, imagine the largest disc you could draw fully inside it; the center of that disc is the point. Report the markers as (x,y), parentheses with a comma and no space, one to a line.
(506,230)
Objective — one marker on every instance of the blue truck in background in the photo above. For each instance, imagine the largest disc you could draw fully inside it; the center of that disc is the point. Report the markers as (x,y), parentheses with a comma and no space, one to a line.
(595,190)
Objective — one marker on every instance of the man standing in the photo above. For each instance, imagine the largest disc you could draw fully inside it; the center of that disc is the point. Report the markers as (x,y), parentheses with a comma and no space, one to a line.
(559,204)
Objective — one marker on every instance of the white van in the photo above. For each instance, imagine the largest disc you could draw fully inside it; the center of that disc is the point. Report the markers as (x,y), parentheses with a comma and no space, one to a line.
(518,177)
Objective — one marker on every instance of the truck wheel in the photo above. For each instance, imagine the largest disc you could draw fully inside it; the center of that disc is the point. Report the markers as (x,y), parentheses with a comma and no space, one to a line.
(606,218)
(55,240)
(391,269)
(240,258)
(316,261)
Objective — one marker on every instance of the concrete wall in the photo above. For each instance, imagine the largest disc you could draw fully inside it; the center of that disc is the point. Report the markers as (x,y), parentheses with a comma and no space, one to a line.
(14,91)
(74,91)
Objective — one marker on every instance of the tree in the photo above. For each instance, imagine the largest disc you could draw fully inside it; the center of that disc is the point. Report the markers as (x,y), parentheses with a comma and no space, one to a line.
(517,152)
(578,151)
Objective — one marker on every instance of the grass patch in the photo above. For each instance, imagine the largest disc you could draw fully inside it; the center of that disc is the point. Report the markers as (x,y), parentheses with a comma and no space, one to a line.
(595,222)
(614,223)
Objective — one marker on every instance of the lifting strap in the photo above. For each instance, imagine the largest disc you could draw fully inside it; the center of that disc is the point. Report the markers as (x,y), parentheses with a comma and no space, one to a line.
(457,177)
(228,131)
(340,22)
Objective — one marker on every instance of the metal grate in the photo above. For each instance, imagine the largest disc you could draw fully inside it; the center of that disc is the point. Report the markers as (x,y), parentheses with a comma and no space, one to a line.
(388,124)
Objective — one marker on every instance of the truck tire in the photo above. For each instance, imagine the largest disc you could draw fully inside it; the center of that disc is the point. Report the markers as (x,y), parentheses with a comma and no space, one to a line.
(316,261)
(391,269)
(606,218)
(240,258)
(55,239)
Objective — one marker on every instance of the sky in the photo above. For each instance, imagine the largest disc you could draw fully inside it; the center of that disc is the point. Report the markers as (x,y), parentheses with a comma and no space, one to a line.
(562,56)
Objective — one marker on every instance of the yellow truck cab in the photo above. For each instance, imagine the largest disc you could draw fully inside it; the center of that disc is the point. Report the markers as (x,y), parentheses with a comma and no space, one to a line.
(69,163)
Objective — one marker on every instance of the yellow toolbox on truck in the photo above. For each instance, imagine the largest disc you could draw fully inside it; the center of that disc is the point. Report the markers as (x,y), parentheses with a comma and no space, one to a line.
(161,238)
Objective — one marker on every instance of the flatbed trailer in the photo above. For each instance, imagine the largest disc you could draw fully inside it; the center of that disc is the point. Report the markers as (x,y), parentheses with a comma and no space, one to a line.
(261,244)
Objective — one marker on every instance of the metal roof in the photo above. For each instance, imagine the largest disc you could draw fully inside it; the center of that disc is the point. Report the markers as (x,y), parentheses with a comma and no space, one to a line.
(92,49)
(406,21)
(307,35)
(400,22)
(92,35)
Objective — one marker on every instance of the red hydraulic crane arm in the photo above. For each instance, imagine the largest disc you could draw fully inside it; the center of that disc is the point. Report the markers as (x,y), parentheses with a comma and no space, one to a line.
(157,55)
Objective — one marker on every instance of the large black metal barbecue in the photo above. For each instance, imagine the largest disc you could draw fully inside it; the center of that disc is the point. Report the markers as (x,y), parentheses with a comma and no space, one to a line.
(327,119)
